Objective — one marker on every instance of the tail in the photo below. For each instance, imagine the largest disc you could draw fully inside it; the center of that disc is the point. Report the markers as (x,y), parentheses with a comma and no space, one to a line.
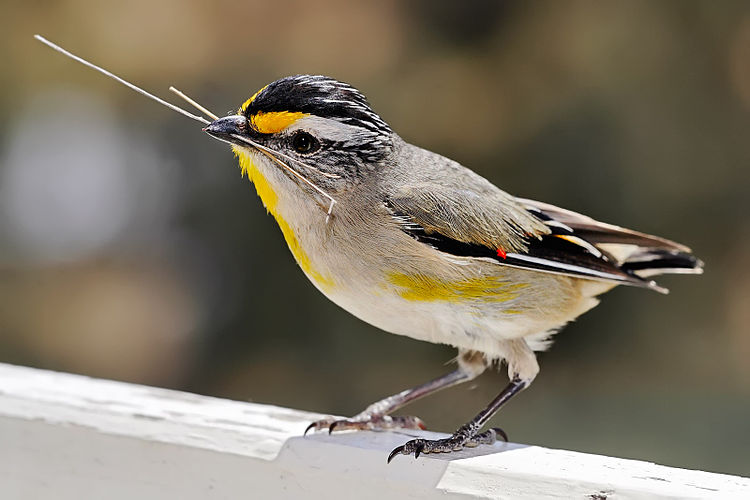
(636,254)
(647,262)
(644,256)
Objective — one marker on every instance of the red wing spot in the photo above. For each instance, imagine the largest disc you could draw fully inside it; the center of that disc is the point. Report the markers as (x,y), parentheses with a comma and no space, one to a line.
(501,253)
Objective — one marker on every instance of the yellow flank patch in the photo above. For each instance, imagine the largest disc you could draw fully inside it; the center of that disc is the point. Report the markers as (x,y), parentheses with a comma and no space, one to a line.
(270,200)
(245,104)
(270,123)
(422,288)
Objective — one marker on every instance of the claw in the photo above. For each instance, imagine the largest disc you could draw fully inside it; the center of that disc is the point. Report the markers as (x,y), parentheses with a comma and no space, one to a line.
(396,451)
(417,450)
(308,428)
(332,426)
(501,433)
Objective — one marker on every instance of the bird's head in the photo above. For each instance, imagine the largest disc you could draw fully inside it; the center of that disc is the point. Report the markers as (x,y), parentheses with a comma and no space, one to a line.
(311,128)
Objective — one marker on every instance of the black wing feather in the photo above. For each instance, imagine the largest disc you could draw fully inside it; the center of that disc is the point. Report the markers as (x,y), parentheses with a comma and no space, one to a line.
(549,253)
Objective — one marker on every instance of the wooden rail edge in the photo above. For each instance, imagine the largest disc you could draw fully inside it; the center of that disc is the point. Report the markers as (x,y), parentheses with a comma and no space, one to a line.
(68,436)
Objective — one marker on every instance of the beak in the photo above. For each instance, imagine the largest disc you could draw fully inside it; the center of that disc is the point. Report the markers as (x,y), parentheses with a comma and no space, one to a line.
(224,128)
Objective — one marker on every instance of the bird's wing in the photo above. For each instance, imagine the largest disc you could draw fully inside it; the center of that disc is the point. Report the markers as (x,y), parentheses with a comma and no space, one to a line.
(515,232)
(474,213)
(595,231)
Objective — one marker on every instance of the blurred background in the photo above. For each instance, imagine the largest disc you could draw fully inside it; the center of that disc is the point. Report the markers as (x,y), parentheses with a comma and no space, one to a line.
(130,248)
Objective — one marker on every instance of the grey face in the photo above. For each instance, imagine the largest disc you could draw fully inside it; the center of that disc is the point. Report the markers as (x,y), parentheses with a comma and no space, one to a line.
(346,152)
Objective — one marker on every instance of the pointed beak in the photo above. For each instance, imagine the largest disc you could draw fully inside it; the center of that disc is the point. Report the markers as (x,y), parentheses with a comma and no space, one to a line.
(225,128)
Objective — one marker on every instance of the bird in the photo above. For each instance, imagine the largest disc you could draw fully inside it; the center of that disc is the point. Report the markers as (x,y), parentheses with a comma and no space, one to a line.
(419,245)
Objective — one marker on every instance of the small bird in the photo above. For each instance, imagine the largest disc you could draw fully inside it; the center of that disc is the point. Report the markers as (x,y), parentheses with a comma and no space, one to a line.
(418,245)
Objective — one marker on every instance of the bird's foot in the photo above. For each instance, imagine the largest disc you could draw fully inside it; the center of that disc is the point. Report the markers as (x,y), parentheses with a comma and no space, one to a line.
(367,422)
(461,439)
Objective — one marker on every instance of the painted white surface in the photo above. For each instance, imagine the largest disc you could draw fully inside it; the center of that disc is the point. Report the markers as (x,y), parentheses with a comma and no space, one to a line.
(64,436)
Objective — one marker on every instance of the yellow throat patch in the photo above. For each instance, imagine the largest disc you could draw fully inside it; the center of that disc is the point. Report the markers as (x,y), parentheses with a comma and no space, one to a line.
(270,200)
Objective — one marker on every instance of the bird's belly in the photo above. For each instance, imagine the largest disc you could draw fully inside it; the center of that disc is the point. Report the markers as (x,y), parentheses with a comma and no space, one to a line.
(436,322)
(466,303)
(458,317)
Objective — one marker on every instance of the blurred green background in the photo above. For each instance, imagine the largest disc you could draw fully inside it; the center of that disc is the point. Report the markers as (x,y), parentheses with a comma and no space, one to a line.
(130,248)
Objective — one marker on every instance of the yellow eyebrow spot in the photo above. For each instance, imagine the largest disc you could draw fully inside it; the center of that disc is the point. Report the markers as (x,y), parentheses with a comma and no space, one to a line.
(276,121)
(421,288)
(245,104)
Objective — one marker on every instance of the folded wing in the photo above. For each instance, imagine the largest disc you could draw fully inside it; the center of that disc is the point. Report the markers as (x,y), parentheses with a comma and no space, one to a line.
(540,237)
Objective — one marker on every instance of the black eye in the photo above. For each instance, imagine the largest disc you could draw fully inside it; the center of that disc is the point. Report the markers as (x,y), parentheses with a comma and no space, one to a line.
(304,142)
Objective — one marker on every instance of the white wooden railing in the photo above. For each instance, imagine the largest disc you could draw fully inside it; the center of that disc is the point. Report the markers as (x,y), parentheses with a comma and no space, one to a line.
(65,436)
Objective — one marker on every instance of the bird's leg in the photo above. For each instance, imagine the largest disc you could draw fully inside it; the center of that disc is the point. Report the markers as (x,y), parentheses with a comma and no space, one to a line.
(377,416)
(522,368)
(468,434)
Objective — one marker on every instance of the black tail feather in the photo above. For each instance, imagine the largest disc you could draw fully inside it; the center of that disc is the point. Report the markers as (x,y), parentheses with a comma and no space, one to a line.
(660,261)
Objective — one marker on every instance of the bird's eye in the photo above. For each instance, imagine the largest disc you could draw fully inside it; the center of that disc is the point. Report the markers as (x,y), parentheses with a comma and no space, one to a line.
(304,143)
